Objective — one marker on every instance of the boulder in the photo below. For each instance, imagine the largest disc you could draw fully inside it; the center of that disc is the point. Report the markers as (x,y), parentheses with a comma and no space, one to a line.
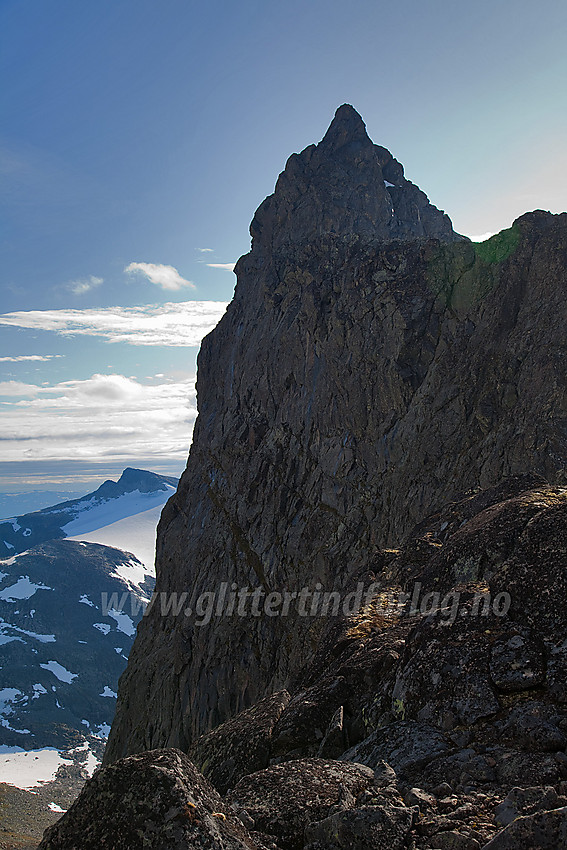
(520,802)
(406,746)
(285,798)
(380,827)
(157,799)
(541,831)
(239,746)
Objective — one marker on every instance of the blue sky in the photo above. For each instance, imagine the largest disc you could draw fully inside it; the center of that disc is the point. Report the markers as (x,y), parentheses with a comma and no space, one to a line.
(137,134)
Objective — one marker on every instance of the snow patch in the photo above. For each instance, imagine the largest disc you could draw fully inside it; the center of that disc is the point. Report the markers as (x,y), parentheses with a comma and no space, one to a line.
(28,769)
(134,533)
(8,696)
(59,671)
(133,572)
(8,639)
(22,589)
(94,513)
(6,724)
(108,693)
(57,809)
(92,763)
(123,622)
(38,690)
(86,601)
(7,562)
(40,638)
(102,627)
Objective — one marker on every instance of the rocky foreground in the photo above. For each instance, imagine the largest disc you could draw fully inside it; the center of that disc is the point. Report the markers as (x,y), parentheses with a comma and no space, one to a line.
(433,717)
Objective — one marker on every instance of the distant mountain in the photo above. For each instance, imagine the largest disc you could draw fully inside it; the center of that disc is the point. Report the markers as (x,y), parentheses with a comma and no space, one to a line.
(68,615)
(136,491)
(135,534)
(64,639)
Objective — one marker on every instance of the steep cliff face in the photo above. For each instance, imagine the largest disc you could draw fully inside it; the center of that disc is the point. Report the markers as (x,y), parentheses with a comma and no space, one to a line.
(372,366)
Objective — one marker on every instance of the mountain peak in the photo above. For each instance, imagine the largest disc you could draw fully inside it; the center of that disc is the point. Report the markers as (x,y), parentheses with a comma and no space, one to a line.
(347,126)
(345,187)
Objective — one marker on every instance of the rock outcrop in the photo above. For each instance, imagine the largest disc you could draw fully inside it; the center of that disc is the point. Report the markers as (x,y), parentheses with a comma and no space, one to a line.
(372,367)
(442,698)
(156,800)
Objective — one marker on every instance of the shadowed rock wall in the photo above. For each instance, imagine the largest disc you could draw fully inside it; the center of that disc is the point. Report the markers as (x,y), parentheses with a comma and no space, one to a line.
(372,366)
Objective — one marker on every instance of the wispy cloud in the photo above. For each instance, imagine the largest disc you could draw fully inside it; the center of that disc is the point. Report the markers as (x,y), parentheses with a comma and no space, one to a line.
(205,250)
(105,416)
(175,324)
(165,276)
(21,357)
(228,266)
(85,284)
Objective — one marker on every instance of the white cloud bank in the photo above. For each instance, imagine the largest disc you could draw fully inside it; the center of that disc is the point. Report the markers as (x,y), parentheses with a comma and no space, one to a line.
(21,357)
(228,266)
(165,276)
(103,417)
(175,324)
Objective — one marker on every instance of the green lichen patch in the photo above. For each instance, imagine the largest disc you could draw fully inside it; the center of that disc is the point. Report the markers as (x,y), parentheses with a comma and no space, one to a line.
(499,247)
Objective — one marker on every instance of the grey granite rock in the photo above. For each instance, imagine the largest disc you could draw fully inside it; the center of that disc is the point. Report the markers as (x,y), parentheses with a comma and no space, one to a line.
(542,831)
(384,826)
(517,663)
(371,368)
(520,802)
(344,185)
(157,799)
(405,746)
(452,840)
(285,798)
(240,746)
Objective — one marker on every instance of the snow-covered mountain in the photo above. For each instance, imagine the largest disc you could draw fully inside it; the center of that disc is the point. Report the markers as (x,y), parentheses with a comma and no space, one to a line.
(135,533)
(68,615)
(135,492)
(69,607)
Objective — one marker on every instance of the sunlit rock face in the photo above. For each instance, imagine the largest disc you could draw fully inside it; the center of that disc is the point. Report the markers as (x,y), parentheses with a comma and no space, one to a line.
(372,366)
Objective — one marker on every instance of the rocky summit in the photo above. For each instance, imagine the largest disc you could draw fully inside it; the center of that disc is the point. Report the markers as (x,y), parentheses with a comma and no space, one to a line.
(358,636)
(345,186)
